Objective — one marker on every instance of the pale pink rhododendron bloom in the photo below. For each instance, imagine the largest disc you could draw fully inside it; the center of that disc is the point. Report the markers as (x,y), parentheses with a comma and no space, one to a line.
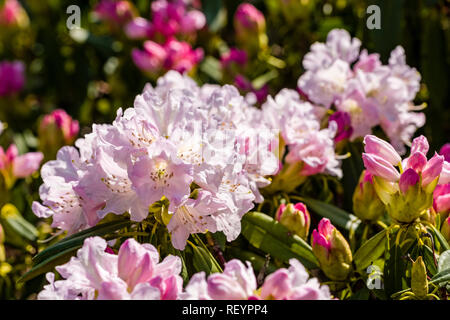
(338,74)
(238,282)
(178,137)
(299,125)
(134,273)
(12,77)
(173,55)
(343,122)
(13,165)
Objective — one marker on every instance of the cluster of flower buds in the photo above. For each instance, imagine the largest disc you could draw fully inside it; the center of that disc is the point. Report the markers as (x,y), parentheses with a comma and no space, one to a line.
(409,193)
(56,130)
(13,166)
(12,77)
(332,250)
(366,203)
(295,218)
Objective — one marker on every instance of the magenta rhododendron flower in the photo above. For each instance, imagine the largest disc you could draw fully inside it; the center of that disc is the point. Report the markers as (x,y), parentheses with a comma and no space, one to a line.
(238,282)
(12,77)
(135,273)
(343,122)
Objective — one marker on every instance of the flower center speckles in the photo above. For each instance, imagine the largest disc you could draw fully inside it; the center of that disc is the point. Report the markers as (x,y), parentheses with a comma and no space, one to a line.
(117,184)
(161,173)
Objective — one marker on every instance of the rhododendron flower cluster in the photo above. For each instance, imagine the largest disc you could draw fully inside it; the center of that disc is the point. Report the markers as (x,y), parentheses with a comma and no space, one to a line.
(338,74)
(202,148)
(134,273)
(238,282)
(307,142)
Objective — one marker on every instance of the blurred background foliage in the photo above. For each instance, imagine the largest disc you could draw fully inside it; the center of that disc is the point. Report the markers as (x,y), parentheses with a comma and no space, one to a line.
(90,73)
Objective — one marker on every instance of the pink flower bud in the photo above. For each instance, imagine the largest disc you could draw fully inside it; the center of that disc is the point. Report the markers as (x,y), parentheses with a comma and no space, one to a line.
(68,127)
(432,169)
(344,125)
(295,218)
(417,161)
(331,250)
(12,77)
(382,149)
(321,236)
(408,179)
(377,166)
(441,198)
(445,151)
(249,19)
(420,144)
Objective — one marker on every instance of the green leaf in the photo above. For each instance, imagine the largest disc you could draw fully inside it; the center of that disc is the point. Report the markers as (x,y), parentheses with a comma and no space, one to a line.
(444,261)
(441,278)
(202,260)
(337,216)
(428,259)
(13,221)
(49,264)
(266,234)
(394,271)
(76,240)
(211,66)
(215,14)
(371,250)
(256,260)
